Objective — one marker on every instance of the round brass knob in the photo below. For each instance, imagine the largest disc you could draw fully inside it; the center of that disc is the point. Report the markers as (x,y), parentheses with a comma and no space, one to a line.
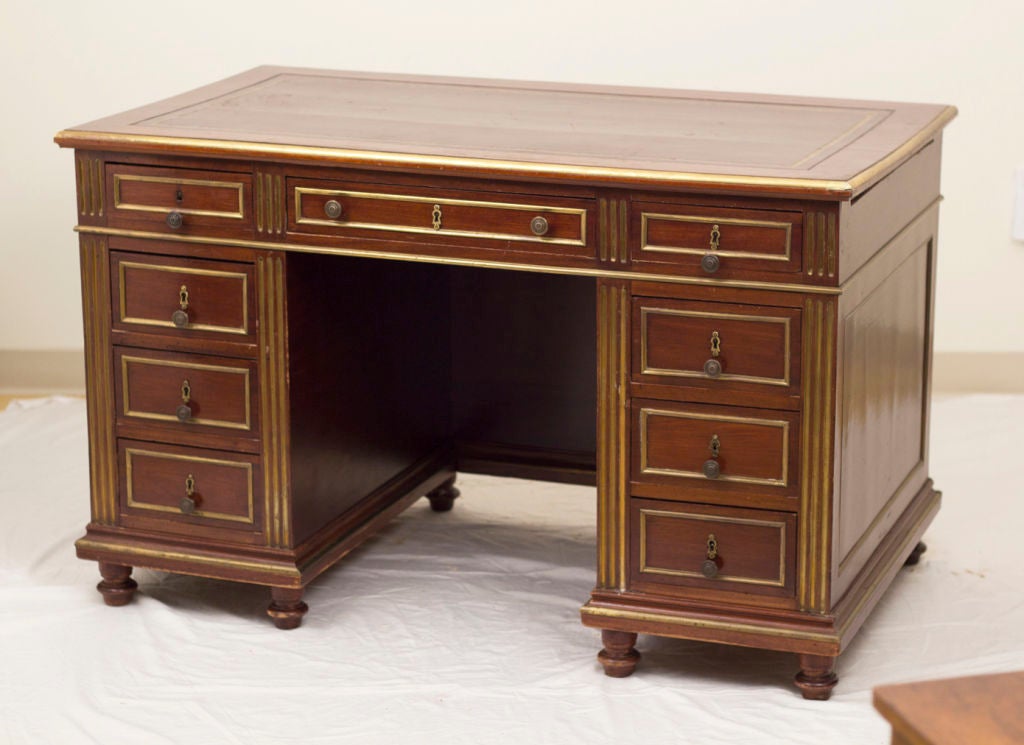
(175,220)
(179,318)
(539,225)
(711,468)
(710,263)
(187,505)
(712,368)
(332,208)
(183,412)
(709,568)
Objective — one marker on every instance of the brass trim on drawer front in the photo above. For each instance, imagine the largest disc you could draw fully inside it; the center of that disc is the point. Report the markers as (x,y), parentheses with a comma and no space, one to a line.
(645,569)
(247,467)
(124,318)
(779,423)
(300,220)
(128,206)
(647,370)
(243,371)
(644,246)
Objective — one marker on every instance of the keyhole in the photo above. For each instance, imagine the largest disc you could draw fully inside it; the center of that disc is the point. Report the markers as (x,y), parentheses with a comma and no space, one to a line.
(190,485)
(716,344)
(436,217)
(179,196)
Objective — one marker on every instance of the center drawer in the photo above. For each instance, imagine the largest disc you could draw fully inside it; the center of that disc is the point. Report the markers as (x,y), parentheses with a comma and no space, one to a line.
(539,223)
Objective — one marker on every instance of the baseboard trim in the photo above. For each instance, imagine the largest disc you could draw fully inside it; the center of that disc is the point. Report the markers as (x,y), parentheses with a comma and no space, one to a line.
(978,372)
(42,371)
(45,371)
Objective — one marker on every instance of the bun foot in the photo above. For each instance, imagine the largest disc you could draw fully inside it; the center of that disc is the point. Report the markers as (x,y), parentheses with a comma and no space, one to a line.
(118,587)
(817,677)
(618,657)
(442,498)
(286,608)
(915,555)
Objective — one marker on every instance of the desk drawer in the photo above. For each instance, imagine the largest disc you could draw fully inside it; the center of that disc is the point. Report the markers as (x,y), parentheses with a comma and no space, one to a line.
(693,449)
(207,202)
(183,393)
(549,224)
(754,550)
(716,346)
(187,489)
(743,242)
(187,297)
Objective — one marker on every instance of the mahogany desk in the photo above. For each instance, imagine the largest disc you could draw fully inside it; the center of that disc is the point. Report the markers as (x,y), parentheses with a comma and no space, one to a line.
(716,307)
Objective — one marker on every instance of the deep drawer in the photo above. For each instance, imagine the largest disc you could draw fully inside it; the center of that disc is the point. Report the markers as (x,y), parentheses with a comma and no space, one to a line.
(744,242)
(754,550)
(158,480)
(550,224)
(153,199)
(186,297)
(185,392)
(691,449)
(716,345)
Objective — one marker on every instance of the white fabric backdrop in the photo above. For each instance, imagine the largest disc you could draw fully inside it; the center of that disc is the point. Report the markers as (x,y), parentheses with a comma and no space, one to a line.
(463,627)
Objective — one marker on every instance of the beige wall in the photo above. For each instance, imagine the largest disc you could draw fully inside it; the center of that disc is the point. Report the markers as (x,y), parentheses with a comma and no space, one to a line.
(69,62)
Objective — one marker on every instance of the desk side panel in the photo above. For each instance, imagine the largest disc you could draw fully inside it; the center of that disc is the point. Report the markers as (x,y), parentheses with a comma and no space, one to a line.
(369,351)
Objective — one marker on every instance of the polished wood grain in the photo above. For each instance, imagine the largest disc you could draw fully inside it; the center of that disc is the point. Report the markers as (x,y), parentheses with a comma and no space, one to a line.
(975,709)
(744,141)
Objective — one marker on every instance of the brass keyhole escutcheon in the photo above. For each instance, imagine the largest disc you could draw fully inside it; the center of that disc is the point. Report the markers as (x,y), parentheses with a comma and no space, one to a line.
(716,237)
(436,217)
(716,344)
(183,297)
(188,502)
(186,391)
(712,468)
(180,317)
(184,411)
(709,567)
(713,366)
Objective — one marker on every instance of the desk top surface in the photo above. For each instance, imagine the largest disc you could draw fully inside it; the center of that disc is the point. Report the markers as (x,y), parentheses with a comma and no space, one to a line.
(573,133)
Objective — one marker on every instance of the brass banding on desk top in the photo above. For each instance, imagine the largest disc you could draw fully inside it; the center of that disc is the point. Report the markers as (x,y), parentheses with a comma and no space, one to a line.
(234,185)
(781,424)
(646,369)
(244,465)
(458,261)
(645,217)
(780,581)
(243,371)
(186,270)
(444,202)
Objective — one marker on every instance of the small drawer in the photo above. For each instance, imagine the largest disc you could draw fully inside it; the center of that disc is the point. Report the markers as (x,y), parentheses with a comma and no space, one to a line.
(716,345)
(179,201)
(715,449)
(184,487)
(743,242)
(187,297)
(186,392)
(551,224)
(712,548)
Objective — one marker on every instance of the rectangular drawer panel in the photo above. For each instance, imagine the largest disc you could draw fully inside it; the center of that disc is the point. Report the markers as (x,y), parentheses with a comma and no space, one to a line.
(142,197)
(755,550)
(716,345)
(743,240)
(675,444)
(407,213)
(186,391)
(187,297)
(157,478)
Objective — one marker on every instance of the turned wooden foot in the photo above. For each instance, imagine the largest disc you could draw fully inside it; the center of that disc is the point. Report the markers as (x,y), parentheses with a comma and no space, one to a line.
(442,498)
(117,586)
(915,555)
(618,657)
(286,608)
(817,676)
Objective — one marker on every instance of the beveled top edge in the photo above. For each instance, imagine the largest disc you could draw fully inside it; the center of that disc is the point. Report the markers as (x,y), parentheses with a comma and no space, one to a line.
(112,133)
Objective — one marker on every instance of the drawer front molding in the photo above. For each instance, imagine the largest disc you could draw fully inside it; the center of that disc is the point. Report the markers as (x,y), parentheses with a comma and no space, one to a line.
(712,520)
(646,245)
(428,229)
(121,204)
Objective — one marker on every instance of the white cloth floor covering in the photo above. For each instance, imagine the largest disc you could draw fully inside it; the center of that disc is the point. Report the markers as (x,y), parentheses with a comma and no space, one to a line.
(463,627)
